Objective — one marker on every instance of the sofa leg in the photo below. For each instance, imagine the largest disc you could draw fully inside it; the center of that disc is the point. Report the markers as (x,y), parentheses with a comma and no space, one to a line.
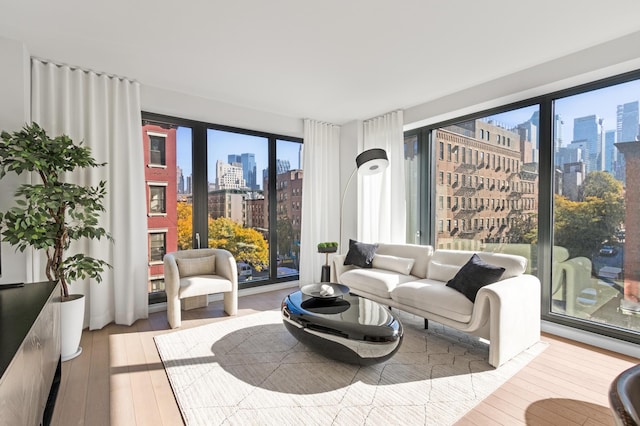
(426,324)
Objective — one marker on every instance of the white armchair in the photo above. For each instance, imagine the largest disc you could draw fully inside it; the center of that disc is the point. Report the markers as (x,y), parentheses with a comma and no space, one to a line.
(193,274)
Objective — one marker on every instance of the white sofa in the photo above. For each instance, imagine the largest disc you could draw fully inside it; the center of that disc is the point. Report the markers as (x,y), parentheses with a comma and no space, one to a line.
(507,312)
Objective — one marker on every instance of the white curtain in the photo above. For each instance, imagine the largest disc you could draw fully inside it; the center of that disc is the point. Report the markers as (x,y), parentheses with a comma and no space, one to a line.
(320,195)
(381,198)
(104,112)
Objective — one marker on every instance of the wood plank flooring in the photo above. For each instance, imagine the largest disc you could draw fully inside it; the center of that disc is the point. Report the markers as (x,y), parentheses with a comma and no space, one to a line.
(119,378)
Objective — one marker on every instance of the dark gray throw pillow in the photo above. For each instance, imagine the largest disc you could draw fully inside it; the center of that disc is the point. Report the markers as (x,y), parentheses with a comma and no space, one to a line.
(474,275)
(360,254)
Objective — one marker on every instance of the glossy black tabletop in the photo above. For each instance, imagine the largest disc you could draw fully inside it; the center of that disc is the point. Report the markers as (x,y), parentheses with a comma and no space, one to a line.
(349,316)
(19,308)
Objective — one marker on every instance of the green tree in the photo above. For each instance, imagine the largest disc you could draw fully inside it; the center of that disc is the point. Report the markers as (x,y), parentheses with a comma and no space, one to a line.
(246,244)
(285,235)
(601,185)
(582,226)
(524,230)
(185,225)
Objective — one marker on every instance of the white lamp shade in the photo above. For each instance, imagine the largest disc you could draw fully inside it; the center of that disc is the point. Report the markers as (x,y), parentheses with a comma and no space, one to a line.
(372,161)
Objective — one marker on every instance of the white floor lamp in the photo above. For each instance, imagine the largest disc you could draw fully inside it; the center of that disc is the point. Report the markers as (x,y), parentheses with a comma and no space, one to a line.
(369,162)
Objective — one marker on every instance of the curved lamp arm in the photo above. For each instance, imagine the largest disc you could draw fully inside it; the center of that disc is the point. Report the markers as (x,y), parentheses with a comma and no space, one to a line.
(369,162)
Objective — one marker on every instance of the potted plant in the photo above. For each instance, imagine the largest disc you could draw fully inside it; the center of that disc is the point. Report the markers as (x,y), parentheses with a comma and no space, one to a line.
(51,213)
(326,248)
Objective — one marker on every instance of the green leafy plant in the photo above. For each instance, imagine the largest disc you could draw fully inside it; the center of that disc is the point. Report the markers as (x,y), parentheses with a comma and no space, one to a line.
(51,214)
(329,246)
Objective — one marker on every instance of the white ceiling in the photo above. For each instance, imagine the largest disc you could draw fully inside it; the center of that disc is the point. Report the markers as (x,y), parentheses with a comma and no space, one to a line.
(331,60)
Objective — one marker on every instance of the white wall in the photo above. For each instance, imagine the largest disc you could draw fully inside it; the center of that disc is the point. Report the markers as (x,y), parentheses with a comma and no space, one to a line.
(176,104)
(14,113)
(600,61)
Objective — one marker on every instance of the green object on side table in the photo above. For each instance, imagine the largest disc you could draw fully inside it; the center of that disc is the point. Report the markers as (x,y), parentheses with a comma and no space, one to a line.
(326,248)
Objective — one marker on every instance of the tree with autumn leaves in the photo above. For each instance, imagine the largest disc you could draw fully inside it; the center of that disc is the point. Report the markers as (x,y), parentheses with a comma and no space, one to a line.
(246,244)
(582,225)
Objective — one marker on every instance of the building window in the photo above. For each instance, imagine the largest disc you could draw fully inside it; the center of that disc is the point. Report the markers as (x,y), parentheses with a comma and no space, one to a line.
(156,284)
(157,150)
(157,199)
(157,246)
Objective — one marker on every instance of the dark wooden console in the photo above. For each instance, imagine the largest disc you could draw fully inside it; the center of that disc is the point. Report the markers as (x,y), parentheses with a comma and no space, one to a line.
(29,353)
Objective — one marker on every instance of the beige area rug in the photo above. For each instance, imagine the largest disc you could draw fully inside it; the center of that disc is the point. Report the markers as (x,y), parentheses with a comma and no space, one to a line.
(250,371)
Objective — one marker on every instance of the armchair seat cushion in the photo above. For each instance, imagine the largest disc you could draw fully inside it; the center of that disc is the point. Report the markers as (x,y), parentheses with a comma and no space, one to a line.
(203,284)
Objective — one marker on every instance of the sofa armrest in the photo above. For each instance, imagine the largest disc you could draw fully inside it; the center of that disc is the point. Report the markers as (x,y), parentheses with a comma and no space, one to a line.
(338,267)
(514,310)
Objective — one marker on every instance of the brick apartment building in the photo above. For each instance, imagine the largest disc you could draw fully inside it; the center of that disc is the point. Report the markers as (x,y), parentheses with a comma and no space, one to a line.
(160,173)
(485,182)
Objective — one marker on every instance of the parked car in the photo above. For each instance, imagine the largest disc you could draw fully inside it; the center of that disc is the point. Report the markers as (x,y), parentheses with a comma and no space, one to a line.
(244,270)
(608,251)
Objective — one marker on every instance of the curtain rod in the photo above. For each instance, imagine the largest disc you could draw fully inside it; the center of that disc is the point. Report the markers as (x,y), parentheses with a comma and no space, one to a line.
(85,70)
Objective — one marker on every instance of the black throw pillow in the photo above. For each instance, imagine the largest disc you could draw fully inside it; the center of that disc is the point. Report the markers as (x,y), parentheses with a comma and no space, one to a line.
(474,275)
(360,254)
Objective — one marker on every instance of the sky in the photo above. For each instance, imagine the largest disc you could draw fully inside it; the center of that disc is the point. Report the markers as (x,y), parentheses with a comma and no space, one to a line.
(602,102)
(220,144)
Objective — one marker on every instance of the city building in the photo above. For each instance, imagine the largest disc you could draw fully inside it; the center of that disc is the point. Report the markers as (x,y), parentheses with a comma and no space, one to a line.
(161,177)
(585,132)
(229,203)
(289,198)
(627,130)
(483,186)
(229,176)
(248,163)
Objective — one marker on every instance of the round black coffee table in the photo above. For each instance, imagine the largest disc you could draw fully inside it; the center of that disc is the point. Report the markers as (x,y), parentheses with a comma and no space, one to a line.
(348,328)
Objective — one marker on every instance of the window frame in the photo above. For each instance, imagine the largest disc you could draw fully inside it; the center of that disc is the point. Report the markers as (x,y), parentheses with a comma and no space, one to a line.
(545,192)
(164,186)
(151,233)
(163,151)
(200,183)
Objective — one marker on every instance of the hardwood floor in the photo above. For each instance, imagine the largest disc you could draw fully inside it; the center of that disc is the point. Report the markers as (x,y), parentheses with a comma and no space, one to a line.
(119,378)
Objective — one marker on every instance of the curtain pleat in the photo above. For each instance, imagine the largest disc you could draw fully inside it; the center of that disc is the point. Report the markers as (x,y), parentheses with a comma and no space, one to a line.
(104,112)
(381,198)
(320,195)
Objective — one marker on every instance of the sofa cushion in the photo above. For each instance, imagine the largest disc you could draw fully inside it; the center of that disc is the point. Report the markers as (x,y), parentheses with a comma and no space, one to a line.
(401,265)
(375,281)
(360,254)
(190,266)
(434,297)
(441,271)
(514,265)
(474,275)
(421,254)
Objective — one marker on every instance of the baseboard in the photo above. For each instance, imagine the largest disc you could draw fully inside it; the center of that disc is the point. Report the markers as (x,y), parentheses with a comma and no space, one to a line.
(593,339)
(161,307)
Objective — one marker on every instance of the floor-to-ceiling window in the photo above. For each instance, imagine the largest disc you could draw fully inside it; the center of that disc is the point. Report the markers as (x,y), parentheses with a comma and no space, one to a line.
(551,179)
(486,183)
(215,186)
(596,206)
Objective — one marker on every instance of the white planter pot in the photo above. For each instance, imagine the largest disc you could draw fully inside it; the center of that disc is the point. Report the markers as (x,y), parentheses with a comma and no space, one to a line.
(71,321)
